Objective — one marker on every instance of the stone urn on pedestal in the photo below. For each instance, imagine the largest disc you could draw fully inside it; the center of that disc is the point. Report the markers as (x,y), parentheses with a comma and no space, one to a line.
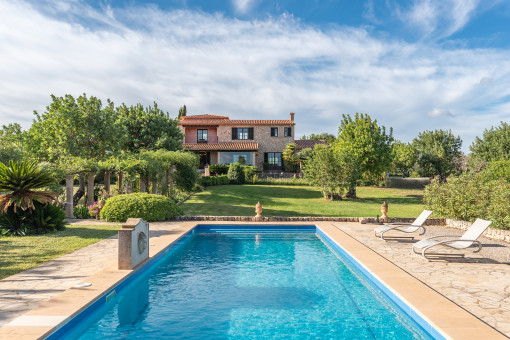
(384,210)
(258,211)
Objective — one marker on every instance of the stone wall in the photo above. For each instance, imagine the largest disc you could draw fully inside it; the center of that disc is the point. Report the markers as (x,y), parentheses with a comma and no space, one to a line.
(492,233)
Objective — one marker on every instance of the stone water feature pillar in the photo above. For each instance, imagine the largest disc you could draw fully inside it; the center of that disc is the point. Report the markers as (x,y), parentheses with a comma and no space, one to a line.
(133,243)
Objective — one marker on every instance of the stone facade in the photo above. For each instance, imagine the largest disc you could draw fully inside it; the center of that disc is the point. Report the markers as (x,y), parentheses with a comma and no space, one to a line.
(262,136)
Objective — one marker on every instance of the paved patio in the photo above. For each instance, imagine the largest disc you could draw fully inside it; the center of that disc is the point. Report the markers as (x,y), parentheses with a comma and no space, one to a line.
(480,284)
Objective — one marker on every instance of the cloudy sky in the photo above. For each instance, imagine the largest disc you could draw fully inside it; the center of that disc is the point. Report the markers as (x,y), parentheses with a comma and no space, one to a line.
(413,65)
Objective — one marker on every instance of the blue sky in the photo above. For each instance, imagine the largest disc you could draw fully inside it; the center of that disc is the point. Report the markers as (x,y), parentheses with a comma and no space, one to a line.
(413,65)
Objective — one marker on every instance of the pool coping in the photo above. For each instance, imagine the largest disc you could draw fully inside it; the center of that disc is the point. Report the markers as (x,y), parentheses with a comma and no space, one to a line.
(449,319)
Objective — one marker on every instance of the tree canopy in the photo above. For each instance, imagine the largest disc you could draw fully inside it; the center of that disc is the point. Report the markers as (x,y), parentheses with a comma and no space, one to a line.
(364,147)
(493,146)
(72,127)
(404,157)
(438,152)
(148,129)
(328,137)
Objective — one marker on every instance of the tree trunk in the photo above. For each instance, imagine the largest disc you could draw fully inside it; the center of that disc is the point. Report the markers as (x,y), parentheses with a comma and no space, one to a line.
(351,193)
(69,196)
(90,188)
(81,189)
(120,176)
(107,181)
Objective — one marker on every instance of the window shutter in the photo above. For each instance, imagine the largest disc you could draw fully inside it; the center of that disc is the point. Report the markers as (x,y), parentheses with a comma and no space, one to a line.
(234,133)
(265,157)
(250,133)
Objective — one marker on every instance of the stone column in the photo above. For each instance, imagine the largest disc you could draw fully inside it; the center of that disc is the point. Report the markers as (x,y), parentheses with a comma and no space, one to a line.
(90,188)
(69,196)
(107,181)
(164,182)
(143,184)
(171,180)
(155,186)
(120,177)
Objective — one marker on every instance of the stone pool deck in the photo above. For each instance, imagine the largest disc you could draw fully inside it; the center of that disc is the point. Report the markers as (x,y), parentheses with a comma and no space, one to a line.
(33,301)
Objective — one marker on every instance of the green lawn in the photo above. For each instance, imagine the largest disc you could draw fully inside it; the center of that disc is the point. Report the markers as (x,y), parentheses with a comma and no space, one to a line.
(281,200)
(21,253)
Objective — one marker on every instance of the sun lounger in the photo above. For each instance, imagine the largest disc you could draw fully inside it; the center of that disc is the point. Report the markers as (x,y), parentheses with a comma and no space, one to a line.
(469,238)
(403,227)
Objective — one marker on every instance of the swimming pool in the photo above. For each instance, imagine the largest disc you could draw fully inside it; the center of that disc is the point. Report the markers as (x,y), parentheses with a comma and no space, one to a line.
(247,282)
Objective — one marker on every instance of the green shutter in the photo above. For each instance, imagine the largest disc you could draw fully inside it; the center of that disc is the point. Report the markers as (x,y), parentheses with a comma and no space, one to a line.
(234,133)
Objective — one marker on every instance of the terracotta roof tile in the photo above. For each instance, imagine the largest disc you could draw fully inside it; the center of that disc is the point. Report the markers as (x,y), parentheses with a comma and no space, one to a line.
(203,117)
(229,146)
(308,143)
(237,122)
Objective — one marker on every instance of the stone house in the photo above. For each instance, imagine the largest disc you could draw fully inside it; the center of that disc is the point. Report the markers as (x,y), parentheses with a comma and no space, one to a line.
(221,140)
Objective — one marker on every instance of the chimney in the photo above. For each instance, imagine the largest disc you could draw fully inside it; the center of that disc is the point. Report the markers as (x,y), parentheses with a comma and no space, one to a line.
(292,116)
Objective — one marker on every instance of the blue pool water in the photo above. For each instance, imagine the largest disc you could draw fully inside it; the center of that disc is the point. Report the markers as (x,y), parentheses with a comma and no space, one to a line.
(241,285)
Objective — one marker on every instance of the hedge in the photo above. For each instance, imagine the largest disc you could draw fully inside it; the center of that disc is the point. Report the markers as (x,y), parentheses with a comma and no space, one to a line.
(207,181)
(149,207)
(471,196)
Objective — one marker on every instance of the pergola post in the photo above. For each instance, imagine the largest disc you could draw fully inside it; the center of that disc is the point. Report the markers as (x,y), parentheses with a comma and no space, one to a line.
(90,188)
(69,196)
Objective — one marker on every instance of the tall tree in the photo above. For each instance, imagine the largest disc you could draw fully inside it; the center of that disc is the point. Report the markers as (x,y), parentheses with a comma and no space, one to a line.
(364,148)
(493,146)
(323,169)
(182,112)
(72,127)
(12,143)
(328,137)
(148,129)
(438,152)
(404,157)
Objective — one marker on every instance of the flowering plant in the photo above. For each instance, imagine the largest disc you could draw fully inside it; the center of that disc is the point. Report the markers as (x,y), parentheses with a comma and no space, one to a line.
(94,209)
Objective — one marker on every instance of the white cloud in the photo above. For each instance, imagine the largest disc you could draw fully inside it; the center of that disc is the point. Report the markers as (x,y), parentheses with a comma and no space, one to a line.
(439,18)
(246,69)
(439,113)
(243,6)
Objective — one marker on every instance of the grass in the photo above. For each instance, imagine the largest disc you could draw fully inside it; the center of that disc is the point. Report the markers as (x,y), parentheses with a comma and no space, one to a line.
(22,253)
(281,200)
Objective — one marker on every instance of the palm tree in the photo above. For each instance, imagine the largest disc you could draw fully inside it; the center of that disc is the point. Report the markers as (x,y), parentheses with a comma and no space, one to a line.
(19,180)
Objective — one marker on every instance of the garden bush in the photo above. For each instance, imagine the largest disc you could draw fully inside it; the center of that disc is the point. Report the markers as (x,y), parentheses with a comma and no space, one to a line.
(149,207)
(236,173)
(283,181)
(207,181)
(185,177)
(44,218)
(218,169)
(250,172)
(81,212)
(470,196)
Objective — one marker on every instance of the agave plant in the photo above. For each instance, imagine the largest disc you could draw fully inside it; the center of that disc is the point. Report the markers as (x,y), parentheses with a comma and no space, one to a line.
(19,180)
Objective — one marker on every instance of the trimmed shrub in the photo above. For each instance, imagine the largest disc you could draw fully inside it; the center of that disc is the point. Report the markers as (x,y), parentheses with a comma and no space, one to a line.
(208,181)
(236,173)
(250,172)
(81,212)
(149,207)
(283,181)
(218,169)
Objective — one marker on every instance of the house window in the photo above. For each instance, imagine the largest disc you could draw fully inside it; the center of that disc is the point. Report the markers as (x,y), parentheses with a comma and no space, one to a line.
(274,132)
(201,136)
(273,158)
(242,133)
(287,131)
